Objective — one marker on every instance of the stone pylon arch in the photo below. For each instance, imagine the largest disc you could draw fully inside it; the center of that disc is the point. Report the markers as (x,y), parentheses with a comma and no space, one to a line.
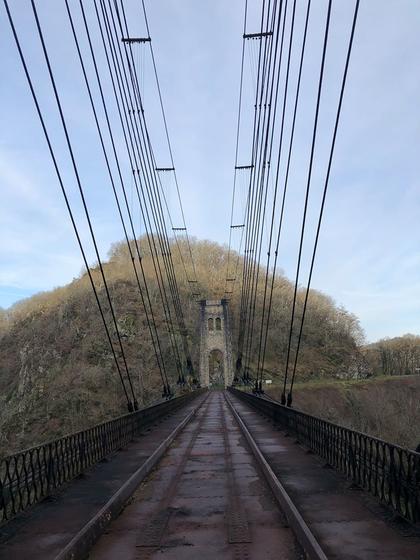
(215,343)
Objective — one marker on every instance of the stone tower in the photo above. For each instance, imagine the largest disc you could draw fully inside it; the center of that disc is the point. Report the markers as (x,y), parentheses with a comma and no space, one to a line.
(215,346)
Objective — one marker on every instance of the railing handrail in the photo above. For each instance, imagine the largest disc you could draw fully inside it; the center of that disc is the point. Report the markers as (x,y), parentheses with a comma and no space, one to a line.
(79,432)
(335,424)
(389,472)
(30,475)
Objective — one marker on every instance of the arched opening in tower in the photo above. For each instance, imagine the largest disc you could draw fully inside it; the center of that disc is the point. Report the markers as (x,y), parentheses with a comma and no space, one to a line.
(216,369)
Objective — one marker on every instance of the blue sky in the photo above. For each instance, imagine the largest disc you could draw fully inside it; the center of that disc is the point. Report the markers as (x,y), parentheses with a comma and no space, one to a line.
(368,257)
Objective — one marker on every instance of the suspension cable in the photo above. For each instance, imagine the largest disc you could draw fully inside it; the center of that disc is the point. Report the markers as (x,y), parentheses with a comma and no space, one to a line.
(321,212)
(238,125)
(291,144)
(130,404)
(283,118)
(148,312)
(169,266)
(135,155)
(167,135)
(308,185)
(82,196)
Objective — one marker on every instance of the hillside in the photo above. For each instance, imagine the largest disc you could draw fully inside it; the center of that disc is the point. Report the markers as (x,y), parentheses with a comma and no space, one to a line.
(56,370)
(385,407)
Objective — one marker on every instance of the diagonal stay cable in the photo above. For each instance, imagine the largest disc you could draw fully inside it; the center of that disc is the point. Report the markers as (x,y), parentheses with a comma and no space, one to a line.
(262,173)
(249,220)
(274,205)
(158,207)
(136,156)
(66,199)
(266,159)
(286,181)
(327,179)
(149,319)
(81,191)
(238,126)
(167,134)
(154,194)
(308,186)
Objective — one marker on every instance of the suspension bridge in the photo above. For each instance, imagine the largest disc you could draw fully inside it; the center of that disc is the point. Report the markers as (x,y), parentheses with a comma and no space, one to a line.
(213,467)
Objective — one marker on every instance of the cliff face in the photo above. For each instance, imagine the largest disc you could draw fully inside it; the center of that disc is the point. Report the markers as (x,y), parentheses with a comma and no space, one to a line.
(57,373)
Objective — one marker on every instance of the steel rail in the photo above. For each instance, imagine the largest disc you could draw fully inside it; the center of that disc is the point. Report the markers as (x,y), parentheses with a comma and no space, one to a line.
(301,530)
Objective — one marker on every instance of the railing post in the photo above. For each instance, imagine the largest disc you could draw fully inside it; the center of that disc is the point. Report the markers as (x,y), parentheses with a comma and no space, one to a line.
(2,502)
(82,451)
(416,505)
(50,467)
(103,443)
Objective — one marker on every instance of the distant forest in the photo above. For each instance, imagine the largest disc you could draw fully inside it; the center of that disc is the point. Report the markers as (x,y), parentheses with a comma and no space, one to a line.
(394,356)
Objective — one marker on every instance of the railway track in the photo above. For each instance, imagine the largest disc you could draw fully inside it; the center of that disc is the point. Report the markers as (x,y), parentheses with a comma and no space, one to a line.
(226,484)
(209,498)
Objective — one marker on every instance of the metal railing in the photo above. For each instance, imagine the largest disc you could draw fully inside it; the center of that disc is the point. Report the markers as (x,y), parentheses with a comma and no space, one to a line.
(30,475)
(389,472)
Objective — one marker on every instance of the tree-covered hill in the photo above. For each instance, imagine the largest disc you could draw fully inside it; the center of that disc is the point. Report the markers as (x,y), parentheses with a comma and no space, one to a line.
(57,373)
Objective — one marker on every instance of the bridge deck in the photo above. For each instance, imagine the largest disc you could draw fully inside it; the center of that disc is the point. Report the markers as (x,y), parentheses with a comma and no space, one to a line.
(206,500)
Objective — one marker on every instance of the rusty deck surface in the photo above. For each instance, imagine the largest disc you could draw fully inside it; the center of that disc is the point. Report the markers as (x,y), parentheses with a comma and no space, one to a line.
(347,522)
(206,500)
(42,532)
